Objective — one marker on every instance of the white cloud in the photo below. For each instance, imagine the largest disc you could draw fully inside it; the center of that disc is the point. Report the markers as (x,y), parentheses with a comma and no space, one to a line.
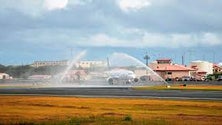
(135,38)
(62,4)
(29,7)
(211,39)
(55,4)
(174,40)
(143,38)
(37,8)
(180,40)
(80,2)
(102,39)
(127,5)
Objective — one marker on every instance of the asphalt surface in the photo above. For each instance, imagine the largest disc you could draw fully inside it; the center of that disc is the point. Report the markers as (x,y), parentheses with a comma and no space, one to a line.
(127,92)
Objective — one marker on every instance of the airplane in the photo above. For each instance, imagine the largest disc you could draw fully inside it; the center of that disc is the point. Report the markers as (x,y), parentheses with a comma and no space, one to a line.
(121,76)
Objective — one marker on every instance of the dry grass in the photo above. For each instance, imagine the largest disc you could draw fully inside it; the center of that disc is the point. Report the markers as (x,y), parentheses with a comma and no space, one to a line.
(73,110)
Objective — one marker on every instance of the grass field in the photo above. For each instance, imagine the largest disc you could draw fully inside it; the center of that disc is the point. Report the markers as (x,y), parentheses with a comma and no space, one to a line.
(103,111)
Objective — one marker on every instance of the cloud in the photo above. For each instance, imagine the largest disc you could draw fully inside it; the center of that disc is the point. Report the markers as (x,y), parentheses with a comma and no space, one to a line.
(102,39)
(28,7)
(152,40)
(178,40)
(37,8)
(55,4)
(57,24)
(167,24)
(62,4)
(132,5)
(127,38)
(210,39)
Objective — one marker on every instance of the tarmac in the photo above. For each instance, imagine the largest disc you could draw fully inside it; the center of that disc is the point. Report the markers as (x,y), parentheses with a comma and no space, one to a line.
(114,92)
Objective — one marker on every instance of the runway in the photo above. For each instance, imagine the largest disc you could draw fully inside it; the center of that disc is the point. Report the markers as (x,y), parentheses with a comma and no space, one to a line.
(116,92)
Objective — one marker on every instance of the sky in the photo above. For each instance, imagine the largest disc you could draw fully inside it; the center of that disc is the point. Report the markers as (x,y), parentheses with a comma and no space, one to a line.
(42,30)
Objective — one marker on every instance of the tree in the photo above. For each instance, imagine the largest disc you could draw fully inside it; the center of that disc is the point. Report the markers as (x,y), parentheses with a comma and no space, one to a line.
(2,68)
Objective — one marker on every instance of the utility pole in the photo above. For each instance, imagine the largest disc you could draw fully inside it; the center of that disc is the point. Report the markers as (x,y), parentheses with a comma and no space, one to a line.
(182,59)
(146,57)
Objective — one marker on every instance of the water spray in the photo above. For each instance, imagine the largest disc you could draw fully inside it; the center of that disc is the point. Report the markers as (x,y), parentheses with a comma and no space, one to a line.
(73,61)
(118,56)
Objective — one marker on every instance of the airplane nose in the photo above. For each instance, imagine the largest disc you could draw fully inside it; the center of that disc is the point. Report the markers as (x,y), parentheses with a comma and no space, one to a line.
(132,76)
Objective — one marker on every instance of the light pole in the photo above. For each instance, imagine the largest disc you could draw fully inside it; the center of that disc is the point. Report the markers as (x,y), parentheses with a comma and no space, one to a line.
(146,57)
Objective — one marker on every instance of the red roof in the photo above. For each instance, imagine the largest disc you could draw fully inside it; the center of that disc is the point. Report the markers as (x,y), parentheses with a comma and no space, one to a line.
(174,67)
(164,59)
(216,65)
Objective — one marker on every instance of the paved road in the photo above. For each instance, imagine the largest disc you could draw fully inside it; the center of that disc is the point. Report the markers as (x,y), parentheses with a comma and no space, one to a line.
(115,92)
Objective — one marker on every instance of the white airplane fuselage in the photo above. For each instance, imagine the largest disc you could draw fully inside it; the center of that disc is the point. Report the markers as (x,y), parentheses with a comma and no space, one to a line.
(123,75)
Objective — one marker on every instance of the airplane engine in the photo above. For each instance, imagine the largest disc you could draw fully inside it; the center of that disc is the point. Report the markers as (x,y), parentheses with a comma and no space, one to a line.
(110,81)
(136,80)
